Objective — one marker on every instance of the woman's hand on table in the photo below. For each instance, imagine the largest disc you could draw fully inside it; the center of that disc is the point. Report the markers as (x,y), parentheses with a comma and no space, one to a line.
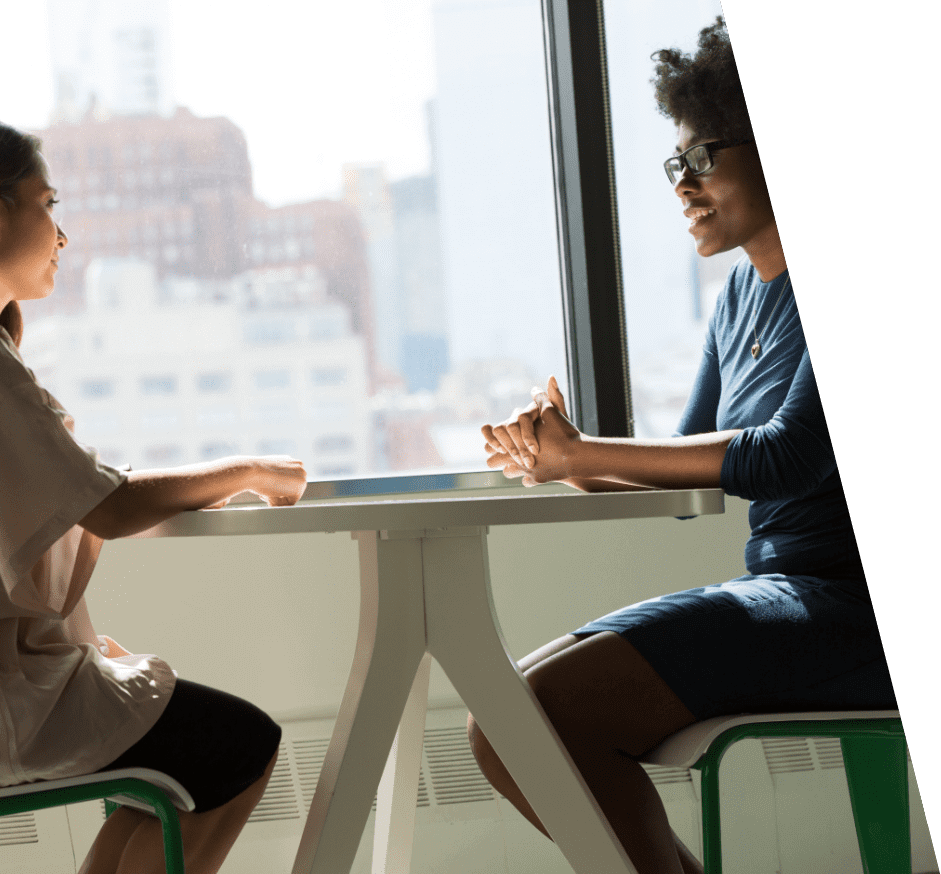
(536,442)
(516,435)
(148,497)
(279,479)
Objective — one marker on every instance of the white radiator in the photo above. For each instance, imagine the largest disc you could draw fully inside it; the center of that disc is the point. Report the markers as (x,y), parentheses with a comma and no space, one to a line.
(785,811)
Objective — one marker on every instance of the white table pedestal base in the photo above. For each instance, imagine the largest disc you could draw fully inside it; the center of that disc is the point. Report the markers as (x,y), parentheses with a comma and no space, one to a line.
(427,593)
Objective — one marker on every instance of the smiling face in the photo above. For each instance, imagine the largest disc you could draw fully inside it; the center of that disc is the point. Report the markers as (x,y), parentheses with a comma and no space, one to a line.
(729,205)
(30,240)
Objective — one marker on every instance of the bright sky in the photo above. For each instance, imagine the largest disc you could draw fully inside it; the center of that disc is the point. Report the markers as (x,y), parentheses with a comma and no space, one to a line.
(293,75)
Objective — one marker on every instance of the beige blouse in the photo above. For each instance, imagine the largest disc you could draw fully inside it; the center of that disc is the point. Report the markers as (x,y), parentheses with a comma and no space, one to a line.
(65,707)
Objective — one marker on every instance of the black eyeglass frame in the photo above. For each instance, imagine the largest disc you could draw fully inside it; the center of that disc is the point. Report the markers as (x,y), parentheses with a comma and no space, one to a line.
(715,146)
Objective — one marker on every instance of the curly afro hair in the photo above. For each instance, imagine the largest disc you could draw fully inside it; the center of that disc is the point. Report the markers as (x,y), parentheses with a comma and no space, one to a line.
(703,90)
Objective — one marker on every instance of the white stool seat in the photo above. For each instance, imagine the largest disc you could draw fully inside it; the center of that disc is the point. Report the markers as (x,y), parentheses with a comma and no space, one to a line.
(684,749)
(177,793)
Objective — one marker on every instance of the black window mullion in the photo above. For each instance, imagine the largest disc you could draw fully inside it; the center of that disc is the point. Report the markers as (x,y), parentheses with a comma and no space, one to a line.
(586,211)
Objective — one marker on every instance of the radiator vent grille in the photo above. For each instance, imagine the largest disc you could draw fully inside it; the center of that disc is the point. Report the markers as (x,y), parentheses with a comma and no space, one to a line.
(280,799)
(455,776)
(18,828)
(308,754)
(829,752)
(661,776)
(787,755)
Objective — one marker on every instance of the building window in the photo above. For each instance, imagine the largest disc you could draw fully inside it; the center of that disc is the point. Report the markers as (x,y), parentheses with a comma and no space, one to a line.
(272,379)
(214,382)
(277,446)
(331,443)
(97,388)
(323,377)
(217,449)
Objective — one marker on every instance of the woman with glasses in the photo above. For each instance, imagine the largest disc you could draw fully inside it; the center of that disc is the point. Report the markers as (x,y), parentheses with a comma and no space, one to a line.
(798,631)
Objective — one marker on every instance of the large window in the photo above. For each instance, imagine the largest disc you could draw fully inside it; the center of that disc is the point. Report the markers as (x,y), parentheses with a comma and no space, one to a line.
(323,229)
(367,235)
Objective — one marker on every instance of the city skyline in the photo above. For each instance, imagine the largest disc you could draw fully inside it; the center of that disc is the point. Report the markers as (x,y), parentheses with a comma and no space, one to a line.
(491,295)
(210,75)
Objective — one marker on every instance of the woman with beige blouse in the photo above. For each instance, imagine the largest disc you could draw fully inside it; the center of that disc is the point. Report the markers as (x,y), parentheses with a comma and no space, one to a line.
(73,702)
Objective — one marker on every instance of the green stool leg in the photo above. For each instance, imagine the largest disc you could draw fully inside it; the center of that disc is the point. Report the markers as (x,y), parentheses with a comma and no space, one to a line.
(711,827)
(877,775)
(874,755)
(166,812)
(170,824)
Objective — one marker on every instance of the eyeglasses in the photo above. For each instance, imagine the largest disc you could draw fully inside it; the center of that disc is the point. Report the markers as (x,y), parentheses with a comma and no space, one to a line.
(697,158)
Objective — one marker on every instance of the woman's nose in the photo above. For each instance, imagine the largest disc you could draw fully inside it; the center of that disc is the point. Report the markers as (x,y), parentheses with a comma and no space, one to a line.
(686,184)
(61,238)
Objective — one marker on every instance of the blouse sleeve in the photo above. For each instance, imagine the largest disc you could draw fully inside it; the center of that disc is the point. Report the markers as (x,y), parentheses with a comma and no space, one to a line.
(790,455)
(699,416)
(48,483)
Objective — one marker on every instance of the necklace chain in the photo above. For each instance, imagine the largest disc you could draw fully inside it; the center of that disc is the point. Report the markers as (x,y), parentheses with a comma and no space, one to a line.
(756,349)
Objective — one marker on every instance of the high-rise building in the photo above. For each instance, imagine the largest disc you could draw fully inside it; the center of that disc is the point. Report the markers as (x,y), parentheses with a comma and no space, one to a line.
(172,191)
(423,353)
(366,189)
(176,193)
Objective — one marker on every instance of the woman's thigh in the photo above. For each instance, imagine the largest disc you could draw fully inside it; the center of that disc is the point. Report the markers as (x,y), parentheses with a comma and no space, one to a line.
(598,689)
(761,643)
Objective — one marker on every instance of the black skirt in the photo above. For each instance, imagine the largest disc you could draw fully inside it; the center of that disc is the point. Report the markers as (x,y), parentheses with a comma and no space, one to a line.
(215,744)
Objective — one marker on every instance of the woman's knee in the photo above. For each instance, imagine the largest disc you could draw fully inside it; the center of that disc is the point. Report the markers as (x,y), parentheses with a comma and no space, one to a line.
(483,752)
(603,693)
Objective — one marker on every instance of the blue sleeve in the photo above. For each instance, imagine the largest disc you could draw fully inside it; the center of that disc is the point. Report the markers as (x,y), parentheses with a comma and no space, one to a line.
(699,416)
(790,455)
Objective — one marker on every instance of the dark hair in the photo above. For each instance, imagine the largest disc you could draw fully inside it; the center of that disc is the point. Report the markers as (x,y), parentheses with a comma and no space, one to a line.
(703,90)
(19,159)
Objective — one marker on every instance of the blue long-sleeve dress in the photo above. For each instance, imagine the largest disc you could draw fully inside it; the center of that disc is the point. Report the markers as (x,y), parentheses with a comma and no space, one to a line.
(798,631)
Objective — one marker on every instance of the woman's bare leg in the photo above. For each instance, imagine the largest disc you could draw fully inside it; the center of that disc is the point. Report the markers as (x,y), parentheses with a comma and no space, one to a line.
(131,842)
(608,705)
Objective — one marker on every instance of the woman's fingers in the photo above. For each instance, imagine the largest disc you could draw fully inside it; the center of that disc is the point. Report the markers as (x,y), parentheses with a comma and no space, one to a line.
(515,436)
(555,395)
(510,468)
(513,444)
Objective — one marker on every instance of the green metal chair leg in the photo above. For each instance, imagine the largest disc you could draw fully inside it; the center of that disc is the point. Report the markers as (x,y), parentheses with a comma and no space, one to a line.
(877,776)
(711,826)
(874,754)
(43,798)
(169,822)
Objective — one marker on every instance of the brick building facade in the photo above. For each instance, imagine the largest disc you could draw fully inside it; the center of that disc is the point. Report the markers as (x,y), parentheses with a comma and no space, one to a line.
(177,193)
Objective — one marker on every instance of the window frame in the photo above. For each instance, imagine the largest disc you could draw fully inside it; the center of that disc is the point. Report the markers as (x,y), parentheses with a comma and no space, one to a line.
(587,210)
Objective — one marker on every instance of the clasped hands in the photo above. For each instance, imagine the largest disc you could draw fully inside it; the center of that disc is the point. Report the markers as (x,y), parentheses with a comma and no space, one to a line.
(536,443)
